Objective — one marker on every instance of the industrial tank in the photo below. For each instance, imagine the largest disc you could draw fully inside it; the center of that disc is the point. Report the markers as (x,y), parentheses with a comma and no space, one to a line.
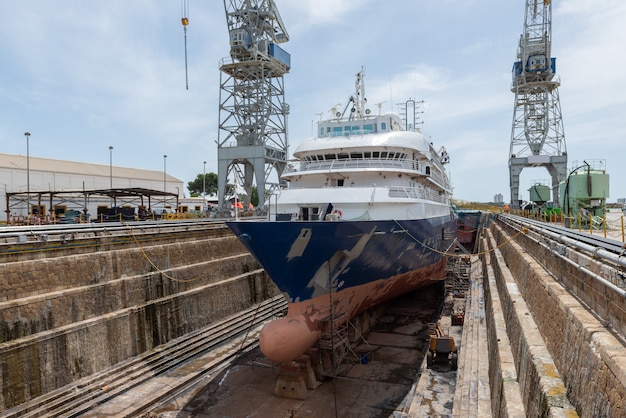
(539,193)
(586,189)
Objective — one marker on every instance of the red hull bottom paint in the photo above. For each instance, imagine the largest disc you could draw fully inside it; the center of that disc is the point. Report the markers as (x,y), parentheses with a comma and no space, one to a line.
(287,338)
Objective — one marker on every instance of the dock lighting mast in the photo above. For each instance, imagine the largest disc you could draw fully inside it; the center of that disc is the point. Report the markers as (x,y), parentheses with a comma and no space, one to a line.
(537,137)
(252,138)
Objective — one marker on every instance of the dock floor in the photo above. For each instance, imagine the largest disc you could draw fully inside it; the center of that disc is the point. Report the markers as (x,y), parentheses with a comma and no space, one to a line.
(394,382)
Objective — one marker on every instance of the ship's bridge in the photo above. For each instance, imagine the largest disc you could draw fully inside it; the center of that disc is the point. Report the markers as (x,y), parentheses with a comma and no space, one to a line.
(365,126)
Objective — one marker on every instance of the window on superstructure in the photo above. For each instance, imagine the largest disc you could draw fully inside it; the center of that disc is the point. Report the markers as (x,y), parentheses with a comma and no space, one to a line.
(368,128)
(376,154)
(356,155)
(367,154)
(330,157)
(383,126)
(342,156)
(340,183)
(337,131)
(383,155)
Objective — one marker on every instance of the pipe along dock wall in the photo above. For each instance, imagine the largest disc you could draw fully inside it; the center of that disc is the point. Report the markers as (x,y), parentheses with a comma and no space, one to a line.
(548,354)
(65,318)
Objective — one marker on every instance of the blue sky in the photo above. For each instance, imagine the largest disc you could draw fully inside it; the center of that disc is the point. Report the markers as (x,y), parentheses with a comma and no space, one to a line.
(81,76)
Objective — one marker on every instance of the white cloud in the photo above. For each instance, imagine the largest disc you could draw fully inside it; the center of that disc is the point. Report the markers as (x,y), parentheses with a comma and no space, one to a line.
(93,74)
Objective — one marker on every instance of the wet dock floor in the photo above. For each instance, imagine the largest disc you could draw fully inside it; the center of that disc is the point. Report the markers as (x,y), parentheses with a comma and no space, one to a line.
(388,384)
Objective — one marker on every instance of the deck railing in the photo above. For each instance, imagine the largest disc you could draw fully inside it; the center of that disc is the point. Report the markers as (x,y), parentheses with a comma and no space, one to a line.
(361,164)
(365,163)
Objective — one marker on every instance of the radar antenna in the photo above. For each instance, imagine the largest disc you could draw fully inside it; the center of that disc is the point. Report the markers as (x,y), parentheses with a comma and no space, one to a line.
(537,137)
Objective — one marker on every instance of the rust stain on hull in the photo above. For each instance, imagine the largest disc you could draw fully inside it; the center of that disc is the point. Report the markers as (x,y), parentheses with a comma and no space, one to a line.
(287,338)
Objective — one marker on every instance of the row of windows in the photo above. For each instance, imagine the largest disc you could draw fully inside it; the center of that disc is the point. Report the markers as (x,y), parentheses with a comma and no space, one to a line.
(368,128)
(358,156)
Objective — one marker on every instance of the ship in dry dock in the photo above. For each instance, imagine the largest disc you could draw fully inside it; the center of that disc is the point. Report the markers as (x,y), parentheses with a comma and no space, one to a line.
(366,218)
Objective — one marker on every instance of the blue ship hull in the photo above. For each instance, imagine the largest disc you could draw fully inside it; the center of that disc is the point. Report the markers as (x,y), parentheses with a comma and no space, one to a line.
(305,259)
(340,269)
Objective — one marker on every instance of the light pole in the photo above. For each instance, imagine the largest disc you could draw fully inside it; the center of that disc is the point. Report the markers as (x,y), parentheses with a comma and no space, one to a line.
(27,135)
(164,184)
(203,187)
(111,166)
(111,172)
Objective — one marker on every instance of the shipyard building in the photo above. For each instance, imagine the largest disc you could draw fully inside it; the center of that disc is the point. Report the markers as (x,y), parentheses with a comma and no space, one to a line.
(50,189)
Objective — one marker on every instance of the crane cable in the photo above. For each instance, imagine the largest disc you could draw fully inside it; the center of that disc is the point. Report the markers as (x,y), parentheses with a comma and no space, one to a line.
(184,11)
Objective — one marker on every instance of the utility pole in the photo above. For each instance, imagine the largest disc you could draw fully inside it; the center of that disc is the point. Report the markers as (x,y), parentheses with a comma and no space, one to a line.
(27,135)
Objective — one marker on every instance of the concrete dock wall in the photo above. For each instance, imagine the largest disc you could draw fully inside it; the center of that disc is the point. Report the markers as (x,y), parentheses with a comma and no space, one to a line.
(588,359)
(542,390)
(506,396)
(68,317)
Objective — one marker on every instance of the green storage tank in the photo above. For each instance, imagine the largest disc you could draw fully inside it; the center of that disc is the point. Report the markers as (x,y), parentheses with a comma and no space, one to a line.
(539,193)
(587,188)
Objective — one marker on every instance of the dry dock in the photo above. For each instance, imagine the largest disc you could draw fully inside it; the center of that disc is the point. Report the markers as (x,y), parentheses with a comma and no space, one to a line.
(543,318)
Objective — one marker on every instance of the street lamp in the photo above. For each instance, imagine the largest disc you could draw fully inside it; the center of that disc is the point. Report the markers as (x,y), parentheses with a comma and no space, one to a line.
(203,187)
(164,184)
(111,166)
(27,135)
(111,173)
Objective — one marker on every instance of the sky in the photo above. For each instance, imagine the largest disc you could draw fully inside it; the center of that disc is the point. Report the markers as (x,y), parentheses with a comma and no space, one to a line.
(81,76)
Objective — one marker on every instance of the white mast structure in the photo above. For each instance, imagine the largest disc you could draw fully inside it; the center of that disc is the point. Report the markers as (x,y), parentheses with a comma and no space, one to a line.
(537,137)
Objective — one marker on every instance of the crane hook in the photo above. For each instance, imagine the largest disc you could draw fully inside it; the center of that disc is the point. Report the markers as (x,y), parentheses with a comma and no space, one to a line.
(184,5)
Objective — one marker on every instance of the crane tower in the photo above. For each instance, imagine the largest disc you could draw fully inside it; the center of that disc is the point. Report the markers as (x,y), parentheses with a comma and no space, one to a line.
(537,137)
(252,138)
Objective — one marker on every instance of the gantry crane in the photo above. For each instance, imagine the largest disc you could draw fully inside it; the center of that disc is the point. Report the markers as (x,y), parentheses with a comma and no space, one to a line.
(537,137)
(252,138)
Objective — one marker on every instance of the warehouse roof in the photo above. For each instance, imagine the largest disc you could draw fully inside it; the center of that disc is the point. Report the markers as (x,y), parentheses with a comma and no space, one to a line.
(19,162)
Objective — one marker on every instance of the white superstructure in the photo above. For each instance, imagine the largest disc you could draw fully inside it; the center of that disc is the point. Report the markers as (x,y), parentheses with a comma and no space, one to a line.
(364,167)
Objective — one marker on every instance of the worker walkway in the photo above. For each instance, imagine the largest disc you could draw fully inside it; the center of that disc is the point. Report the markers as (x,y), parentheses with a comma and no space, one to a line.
(464,393)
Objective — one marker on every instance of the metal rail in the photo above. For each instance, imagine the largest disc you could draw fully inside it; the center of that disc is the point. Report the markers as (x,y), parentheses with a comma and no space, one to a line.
(84,395)
(599,281)
(16,232)
(88,237)
(600,247)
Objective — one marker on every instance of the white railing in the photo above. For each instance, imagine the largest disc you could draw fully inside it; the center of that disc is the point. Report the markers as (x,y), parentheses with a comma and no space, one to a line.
(360,164)
(298,166)
(418,192)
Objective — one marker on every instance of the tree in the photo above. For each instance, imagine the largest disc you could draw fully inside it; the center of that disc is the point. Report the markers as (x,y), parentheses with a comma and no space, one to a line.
(210,185)
(254,196)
